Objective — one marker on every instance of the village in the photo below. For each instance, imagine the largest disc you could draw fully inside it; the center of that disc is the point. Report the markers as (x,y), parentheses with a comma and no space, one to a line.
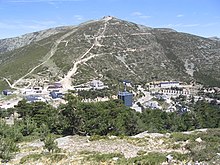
(170,98)
(153,95)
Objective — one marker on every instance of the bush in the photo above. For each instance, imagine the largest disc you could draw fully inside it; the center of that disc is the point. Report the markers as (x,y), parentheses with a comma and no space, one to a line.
(98,157)
(50,144)
(179,156)
(176,146)
(178,136)
(152,158)
(7,148)
(141,152)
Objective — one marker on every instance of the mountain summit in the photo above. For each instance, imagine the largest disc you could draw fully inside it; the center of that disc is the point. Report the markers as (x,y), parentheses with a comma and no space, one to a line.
(109,49)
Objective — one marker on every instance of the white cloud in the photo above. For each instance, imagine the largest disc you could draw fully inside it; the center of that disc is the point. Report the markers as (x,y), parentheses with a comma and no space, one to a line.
(181,25)
(211,24)
(27,25)
(180,15)
(78,17)
(140,15)
(136,13)
(145,16)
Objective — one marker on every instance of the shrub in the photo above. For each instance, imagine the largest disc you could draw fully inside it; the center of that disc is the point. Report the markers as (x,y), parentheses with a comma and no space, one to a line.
(98,157)
(141,152)
(179,156)
(177,136)
(50,144)
(176,146)
(7,148)
(152,158)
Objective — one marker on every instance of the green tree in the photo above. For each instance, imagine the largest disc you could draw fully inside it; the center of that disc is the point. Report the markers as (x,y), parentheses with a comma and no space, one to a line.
(50,144)
(27,126)
(23,108)
(38,113)
(70,114)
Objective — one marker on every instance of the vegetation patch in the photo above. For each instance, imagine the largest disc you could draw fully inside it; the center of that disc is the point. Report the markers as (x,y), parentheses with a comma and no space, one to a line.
(30,158)
(56,157)
(99,157)
(208,148)
(137,141)
(178,136)
(180,157)
(152,158)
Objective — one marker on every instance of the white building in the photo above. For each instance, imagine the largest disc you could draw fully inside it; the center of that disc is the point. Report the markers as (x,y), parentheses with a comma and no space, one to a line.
(97,84)
(169,84)
(32,91)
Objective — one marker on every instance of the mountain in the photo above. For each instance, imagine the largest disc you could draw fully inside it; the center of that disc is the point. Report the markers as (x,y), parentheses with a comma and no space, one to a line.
(214,38)
(109,49)
(17,42)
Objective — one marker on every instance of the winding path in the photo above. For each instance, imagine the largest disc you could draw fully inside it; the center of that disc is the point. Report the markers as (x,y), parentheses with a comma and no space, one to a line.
(8,82)
(66,81)
(47,57)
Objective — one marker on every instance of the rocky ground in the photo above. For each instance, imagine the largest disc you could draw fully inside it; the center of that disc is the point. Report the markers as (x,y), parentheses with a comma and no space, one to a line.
(76,149)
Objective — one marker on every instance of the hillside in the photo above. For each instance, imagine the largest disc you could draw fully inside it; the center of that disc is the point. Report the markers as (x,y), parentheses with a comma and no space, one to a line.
(107,132)
(109,49)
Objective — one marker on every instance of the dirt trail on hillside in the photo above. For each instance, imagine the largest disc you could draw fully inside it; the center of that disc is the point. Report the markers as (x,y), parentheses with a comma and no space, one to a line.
(8,82)
(67,80)
(47,57)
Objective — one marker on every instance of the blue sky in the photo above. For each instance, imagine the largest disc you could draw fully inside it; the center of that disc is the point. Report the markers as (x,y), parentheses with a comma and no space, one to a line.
(199,17)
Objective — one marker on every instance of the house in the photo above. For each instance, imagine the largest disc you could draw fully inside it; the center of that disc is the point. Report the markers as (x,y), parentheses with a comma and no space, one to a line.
(55,85)
(28,91)
(96,83)
(7,92)
(58,85)
(56,94)
(34,98)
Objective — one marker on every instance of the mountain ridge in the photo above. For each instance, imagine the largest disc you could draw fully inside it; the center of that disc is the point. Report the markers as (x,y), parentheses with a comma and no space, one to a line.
(111,49)
(9,44)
